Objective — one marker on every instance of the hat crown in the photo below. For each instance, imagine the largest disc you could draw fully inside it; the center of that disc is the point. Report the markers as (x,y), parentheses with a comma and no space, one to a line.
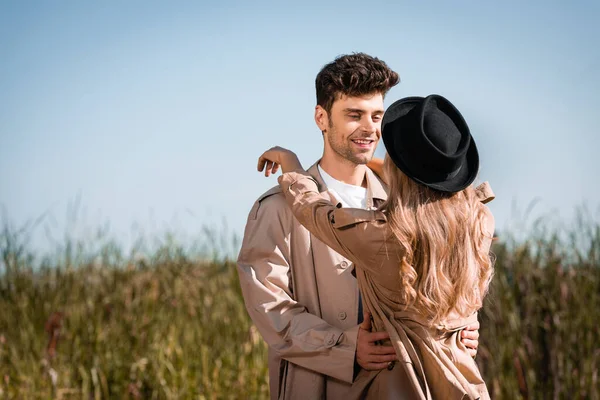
(441,130)
(428,139)
(442,125)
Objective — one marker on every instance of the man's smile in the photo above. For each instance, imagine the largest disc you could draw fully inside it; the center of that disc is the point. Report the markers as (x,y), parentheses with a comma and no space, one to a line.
(363,143)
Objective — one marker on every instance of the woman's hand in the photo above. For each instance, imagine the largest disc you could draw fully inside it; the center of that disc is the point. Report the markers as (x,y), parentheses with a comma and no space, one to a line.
(278,156)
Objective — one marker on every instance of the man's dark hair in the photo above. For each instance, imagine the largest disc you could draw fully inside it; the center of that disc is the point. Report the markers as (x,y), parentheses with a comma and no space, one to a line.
(355,74)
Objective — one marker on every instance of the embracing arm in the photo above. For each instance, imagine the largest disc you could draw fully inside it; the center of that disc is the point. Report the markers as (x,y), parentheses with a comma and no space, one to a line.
(288,328)
(354,233)
(376,165)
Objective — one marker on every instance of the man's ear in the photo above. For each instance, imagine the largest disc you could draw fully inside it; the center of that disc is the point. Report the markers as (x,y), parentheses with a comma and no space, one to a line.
(321,118)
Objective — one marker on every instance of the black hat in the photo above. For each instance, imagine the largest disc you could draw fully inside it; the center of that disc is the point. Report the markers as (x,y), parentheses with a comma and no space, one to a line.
(429,140)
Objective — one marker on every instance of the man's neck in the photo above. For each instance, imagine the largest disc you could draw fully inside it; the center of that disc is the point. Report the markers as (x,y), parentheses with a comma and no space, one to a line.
(343,170)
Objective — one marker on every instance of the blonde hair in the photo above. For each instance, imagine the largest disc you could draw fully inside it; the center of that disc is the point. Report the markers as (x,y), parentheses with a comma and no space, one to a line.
(446,265)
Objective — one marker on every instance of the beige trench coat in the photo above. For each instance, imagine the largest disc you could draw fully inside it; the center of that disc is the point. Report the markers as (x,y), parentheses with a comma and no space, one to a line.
(302,296)
(434,364)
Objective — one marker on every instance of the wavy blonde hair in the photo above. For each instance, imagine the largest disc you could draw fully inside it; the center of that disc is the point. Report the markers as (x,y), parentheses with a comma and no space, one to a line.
(446,265)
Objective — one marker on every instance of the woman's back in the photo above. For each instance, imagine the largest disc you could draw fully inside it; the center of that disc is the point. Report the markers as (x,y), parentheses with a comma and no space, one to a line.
(426,340)
(443,248)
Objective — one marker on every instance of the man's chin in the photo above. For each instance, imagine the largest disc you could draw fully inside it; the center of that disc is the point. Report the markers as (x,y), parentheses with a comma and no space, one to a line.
(361,160)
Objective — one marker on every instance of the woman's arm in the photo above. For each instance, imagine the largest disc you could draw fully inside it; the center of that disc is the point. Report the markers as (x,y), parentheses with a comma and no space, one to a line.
(354,233)
(376,165)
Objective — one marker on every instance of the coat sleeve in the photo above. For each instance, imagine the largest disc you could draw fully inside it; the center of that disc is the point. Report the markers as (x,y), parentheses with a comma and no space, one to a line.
(354,233)
(263,267)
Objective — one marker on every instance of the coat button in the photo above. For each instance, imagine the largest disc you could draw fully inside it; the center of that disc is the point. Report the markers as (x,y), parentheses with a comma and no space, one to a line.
(330,341)
(342,315)
(344,264)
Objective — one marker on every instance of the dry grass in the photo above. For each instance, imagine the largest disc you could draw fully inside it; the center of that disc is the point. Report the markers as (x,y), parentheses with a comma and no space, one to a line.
(173,327)
(164,329)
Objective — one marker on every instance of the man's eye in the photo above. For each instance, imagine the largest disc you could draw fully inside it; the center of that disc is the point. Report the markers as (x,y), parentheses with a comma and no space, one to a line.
(355,116)
(377,118)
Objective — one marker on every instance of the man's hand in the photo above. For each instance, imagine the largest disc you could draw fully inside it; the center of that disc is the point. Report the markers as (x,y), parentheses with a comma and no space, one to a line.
(470,338)
(369,355)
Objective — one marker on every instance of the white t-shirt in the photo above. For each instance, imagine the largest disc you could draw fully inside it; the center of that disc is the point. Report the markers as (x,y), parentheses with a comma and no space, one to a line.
(350,196)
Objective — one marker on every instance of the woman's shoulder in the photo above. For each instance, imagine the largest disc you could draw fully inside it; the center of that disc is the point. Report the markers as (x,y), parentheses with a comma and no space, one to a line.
(484,192)
(484,195)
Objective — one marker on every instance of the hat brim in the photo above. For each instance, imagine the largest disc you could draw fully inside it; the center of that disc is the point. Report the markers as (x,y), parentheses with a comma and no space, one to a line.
(469,168)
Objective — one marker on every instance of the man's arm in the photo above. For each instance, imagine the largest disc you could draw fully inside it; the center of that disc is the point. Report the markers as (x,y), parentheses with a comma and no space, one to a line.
(287,327)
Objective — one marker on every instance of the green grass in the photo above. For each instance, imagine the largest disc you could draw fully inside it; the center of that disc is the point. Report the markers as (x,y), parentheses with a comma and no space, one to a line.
(171,326)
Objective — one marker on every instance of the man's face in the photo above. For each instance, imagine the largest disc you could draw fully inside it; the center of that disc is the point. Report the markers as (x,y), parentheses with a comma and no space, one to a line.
(353,127)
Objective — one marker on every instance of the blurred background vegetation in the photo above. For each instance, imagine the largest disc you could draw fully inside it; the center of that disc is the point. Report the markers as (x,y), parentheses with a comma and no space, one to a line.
(89,321)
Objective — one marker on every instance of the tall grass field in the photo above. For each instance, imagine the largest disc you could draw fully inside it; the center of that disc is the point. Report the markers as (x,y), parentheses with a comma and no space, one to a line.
(173,326)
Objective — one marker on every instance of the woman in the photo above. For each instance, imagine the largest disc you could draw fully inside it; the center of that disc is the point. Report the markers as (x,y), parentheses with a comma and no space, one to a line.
(422,259)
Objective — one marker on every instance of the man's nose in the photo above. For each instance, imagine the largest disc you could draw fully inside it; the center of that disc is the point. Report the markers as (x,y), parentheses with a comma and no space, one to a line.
(369,125)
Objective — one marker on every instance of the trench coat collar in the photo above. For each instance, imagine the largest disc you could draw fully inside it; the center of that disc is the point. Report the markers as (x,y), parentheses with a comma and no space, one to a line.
(376,190)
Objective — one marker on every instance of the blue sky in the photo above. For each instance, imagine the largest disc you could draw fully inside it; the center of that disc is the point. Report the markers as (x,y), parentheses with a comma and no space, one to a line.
(153,114)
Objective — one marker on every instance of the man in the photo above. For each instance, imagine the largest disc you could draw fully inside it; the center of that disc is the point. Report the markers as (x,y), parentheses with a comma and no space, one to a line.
(301,295)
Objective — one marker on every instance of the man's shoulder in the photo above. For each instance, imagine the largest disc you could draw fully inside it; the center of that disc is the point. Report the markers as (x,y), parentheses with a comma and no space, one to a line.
(272,201)
(275,191)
